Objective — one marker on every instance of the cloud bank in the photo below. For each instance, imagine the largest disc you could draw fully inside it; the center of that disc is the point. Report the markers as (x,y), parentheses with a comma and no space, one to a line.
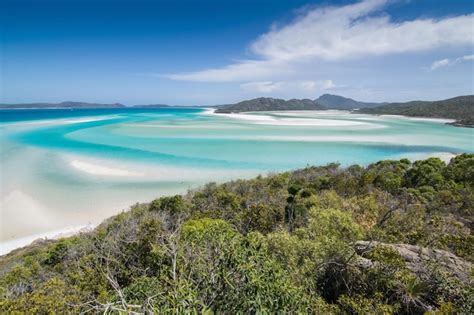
(331,34)
(304,87)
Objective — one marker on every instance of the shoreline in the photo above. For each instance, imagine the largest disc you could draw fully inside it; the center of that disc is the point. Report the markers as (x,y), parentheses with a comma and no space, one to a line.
(8,246)
(272,118)
(142,182)
(449,121)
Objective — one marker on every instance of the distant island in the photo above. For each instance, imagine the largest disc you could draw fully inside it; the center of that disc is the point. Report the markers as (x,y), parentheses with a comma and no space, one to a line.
(460,108)
(78,105)
(324,102)
(343,103)
(270,104)
(67,104)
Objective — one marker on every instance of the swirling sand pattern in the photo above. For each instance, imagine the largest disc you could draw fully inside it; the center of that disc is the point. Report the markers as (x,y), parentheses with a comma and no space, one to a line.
(72,168)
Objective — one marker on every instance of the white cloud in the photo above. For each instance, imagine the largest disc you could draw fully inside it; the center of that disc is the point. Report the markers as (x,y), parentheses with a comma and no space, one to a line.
(450,62)
(440,63)
(335,33)
(261,87)
(328,84)
(353,31)
(468,57)
(299,87)
(247,70)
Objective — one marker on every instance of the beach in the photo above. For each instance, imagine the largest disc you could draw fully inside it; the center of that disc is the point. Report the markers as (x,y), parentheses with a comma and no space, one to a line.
(70,173)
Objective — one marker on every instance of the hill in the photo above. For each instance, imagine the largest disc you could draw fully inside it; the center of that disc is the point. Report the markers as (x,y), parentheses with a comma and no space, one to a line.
(338,102)
(67,104)
(391,238)
(326,101)
(270,104)
(460,108)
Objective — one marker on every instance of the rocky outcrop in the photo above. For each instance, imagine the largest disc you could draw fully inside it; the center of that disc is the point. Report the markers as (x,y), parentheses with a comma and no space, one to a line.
(416,258)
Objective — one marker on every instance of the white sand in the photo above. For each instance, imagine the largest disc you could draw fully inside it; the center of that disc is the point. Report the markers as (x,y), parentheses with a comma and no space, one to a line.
(55,122)
(311,113)
(101,170)
(303,118)
(29,208)
(209,111)
(142,172)
(83,120)
(361,139)
(179,126)
(8,246)
(248,117)
(277,121)
(21,214)
(314,122)
(441,120)
(444,156)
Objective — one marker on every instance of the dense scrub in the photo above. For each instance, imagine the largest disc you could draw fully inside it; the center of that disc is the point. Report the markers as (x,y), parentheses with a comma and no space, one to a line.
(283,243)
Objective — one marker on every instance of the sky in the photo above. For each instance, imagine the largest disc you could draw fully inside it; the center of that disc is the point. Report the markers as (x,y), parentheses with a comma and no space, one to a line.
(204,52)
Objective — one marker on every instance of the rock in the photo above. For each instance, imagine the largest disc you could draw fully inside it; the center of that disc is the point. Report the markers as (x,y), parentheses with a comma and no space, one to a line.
(416,258)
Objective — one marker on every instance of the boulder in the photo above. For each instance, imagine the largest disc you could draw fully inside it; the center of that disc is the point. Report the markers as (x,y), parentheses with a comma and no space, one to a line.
(417,257)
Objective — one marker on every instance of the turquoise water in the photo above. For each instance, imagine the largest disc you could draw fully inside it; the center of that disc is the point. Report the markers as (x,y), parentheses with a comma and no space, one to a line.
(72,167)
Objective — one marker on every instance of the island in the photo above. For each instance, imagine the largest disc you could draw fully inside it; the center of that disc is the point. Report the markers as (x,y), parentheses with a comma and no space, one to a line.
(67,104)
(332,101)
(269,104)
(460,108)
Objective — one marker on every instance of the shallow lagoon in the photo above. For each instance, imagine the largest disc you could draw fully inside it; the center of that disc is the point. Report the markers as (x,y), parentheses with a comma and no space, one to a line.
(62,169)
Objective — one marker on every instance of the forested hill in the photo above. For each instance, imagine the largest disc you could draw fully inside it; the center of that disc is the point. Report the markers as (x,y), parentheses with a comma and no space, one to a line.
(325,101)
(67,104)
(338,102)
(392,238)
(460,108)
(270,104)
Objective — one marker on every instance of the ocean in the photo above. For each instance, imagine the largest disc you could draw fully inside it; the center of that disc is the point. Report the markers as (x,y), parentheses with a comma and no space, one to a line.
(64,169)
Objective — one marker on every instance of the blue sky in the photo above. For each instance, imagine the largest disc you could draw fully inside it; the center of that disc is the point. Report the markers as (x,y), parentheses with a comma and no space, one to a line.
(214,52)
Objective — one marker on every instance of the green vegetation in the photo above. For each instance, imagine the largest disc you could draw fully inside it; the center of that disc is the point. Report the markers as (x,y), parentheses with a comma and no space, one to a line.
(326,101)
(270,104)
(343,103)
(460,108)
(392,238)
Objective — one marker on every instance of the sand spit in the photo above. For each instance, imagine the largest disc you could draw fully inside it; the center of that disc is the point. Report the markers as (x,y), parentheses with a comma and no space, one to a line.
(101,170)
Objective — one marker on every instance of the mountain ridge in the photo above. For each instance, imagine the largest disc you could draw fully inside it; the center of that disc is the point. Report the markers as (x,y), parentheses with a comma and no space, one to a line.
(460,108)
(270,104)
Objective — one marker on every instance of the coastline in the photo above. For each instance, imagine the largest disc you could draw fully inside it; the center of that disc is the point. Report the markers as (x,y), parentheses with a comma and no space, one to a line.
(244,114)
(133,181)
(7,247)
(461,124)
(11,245)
